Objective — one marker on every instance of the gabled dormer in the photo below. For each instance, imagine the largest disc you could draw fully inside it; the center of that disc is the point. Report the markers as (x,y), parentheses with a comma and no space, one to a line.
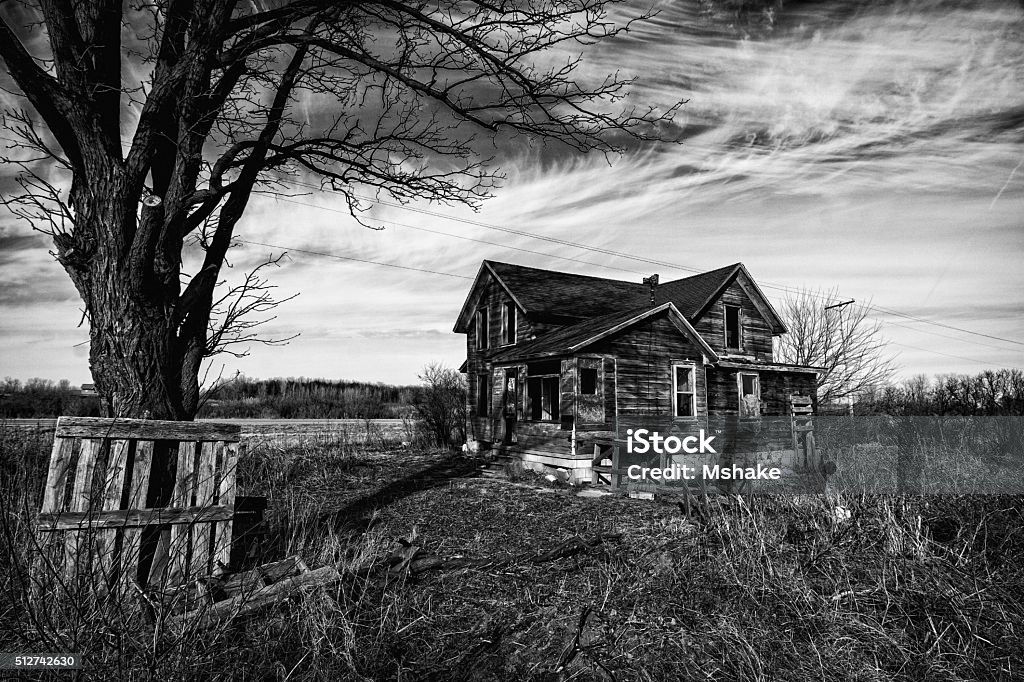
(736,318)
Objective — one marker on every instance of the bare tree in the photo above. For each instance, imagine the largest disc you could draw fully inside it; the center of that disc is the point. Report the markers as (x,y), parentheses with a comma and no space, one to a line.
(148,126)
(839,339)
(440,405)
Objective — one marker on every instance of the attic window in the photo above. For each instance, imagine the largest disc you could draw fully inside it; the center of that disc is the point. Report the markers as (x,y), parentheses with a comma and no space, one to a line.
(481,329)
(732,327)
(508,323)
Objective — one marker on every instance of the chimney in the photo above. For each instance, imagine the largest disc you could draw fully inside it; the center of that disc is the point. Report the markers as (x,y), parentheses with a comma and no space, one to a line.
(653,282)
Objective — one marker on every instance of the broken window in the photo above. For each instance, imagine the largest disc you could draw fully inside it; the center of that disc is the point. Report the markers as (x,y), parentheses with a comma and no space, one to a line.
(683,391)
(732,326)
(508,322)
(542,390)
(750,395)
(588,381)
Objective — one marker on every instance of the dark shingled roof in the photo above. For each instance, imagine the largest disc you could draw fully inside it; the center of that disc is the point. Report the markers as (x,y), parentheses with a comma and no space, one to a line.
(546,292)
(691,293)
(559,341)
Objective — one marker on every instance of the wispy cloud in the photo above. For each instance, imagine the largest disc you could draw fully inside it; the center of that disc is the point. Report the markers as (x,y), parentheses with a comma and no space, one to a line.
(874,147)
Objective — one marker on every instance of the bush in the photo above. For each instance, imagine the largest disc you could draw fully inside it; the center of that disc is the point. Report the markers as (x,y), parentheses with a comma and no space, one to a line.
(440,405)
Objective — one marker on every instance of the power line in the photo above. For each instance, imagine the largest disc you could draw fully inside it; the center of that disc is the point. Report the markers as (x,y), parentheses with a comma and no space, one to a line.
(468,239)
(584,247)
(351,258)
(620,254)
(449,274)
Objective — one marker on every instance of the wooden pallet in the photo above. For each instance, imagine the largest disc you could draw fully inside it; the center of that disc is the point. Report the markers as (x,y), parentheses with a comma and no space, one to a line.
(111,522)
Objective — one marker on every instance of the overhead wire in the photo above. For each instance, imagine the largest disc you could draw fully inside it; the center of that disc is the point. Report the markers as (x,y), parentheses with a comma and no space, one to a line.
(620,254)
(770,285)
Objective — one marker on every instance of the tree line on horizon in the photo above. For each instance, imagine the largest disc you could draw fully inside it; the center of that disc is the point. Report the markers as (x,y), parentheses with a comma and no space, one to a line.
(988,393)
(239,398)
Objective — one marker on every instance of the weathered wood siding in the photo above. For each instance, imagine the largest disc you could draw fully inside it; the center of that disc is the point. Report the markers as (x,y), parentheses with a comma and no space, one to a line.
(755,333)
(644,355)
(776,387)
(492,295)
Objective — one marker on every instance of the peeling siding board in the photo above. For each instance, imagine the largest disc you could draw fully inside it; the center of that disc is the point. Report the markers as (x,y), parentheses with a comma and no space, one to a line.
(567,389)
(756,334)
(776,387)
(492,295)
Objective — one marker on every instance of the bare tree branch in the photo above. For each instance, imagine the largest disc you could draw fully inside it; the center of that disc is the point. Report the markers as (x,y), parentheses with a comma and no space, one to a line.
(847,346)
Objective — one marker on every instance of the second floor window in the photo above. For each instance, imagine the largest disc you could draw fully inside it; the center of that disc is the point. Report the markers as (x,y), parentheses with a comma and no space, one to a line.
(508,323)
(732,327)
(481,329)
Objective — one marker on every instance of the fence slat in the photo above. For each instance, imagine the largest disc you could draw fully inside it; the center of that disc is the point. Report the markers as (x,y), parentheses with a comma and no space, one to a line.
(183,496)
(113,489)
(205,496)
(145,429)
(138,490)
(226,498)
(76,545)
(57,475)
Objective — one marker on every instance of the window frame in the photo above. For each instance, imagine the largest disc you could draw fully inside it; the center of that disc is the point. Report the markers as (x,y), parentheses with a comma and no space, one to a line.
(597,380)
(692,367)
(756,376)
(543,378)
(739,326)
(509,323)
(482,325)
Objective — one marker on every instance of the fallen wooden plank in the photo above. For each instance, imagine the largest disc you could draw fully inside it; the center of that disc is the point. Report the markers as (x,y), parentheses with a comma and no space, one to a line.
(574,545)
(244,605)
(260,576)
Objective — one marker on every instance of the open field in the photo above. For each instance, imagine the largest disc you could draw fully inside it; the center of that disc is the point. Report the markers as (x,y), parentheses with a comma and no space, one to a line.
(447,576)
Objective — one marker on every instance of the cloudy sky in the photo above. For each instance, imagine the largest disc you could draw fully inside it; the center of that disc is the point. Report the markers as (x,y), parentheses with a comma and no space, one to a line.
(877,151)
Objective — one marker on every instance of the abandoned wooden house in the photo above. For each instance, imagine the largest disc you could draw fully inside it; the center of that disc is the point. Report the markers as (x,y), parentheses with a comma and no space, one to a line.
(557,361)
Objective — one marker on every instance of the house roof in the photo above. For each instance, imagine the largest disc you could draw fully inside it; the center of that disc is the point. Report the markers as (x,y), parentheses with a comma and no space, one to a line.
(547,293)
(578,336)
(564,294)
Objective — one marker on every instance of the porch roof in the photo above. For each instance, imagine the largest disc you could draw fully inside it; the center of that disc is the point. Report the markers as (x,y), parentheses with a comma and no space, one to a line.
(767,366)
(569,340)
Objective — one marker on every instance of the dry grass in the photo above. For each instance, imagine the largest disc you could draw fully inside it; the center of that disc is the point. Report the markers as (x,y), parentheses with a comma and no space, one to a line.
(765,588)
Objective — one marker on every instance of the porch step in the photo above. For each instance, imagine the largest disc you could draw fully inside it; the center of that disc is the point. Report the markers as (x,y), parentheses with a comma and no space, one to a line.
(496,467)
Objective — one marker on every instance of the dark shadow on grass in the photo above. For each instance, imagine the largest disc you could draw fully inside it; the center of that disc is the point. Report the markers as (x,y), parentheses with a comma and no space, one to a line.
(356,516)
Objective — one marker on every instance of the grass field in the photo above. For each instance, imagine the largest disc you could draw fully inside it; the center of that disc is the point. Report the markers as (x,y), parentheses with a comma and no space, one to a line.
(753,588)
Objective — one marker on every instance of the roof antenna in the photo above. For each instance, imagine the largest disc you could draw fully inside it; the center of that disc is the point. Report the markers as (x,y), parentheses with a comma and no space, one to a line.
(653,282)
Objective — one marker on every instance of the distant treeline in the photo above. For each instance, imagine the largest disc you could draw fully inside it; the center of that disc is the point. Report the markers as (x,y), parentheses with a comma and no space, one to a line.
(241,398)
(990,393)
(42,398)
(301,398)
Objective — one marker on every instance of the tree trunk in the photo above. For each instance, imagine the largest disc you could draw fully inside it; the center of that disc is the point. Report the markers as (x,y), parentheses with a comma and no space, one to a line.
(132,357)
(128,279)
